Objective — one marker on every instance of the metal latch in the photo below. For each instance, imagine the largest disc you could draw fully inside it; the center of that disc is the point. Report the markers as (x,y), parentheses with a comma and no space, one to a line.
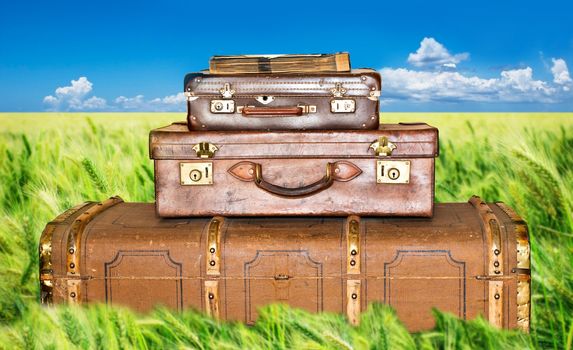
(281,277)
(374,95)
(205,150)
(226,91)
(383,147)
(338,90)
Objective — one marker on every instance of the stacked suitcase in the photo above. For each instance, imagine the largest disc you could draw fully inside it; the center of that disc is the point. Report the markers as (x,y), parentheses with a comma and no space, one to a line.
(283,187)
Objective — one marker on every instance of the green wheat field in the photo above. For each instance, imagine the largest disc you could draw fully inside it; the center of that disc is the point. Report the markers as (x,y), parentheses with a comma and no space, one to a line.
(50,162)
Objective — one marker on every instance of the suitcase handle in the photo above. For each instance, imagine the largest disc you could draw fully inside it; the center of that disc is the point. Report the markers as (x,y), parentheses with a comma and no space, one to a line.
(271,111)
(337,171)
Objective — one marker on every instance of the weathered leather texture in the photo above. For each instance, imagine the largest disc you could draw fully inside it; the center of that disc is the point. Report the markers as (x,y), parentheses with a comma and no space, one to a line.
(272,101)
(332,173)
(470,259)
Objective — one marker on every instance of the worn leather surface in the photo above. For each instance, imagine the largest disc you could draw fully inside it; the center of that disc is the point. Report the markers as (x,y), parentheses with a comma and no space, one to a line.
(131,257)
(294,160)
(288,91)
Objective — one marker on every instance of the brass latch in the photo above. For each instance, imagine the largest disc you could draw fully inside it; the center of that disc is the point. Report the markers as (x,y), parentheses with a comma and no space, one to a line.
(338,90)
(281,277)
(383,147)
(226,91)
(205,150)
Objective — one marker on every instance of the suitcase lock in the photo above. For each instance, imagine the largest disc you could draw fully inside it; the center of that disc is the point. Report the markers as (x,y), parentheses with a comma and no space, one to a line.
(226,105)
(340,104)
(392,171)
(193,174)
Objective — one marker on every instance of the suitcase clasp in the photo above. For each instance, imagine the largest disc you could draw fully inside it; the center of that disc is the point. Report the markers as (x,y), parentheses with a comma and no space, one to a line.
(226,91)
(281,277)
(205,150)
(383,147)
(338,90)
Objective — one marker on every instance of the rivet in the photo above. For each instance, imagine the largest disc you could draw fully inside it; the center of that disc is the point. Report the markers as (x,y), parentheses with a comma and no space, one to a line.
(211,296)
(353,252)
(363,125)
(497,272)
(188,88)
(212,250)
(496,252)
(72,265)
(363,77)
(337,170)
(354,295)
(212,263)
(251,171)
(352,262)
(71,250)
(373,88)
(496,296)
(496,263)
(73,294)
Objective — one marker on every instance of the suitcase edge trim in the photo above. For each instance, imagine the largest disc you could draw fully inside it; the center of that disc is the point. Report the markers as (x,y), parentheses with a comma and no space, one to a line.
(523,267)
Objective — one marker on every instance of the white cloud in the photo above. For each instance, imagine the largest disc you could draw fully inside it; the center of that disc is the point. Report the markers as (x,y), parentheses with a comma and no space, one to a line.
(444,83)
(94,102)
(168,103)
(136,102)
(75,97)
(515,85)
(171,99)
(561,73)
(432,54)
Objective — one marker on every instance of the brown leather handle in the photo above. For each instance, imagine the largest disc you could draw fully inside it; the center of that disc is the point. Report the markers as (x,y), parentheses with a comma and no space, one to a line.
(303,191)
(338,171)
(271,111)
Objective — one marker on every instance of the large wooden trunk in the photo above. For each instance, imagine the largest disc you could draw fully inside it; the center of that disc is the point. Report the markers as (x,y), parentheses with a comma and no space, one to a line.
(385,172)
(286,101)
(470,259)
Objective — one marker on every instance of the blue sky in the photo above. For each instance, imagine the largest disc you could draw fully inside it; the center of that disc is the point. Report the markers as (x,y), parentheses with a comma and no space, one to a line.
(433,56)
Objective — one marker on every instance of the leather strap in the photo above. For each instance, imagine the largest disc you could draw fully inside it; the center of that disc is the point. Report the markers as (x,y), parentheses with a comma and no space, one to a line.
(253,172)
(271,111)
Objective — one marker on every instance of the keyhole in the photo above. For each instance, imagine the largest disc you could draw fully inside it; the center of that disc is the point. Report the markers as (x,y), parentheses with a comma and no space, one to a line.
(393,174)
(195,175)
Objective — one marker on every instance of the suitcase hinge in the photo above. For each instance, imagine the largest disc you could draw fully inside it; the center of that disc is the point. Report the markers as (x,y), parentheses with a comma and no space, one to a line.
(383,147)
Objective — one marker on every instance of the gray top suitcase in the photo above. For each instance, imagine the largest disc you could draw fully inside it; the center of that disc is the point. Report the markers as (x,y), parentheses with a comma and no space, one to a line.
(293,101)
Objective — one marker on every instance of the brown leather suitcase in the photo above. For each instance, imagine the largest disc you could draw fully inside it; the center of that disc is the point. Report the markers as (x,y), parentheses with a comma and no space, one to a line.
(471,259)
(385,172)
(287,101)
